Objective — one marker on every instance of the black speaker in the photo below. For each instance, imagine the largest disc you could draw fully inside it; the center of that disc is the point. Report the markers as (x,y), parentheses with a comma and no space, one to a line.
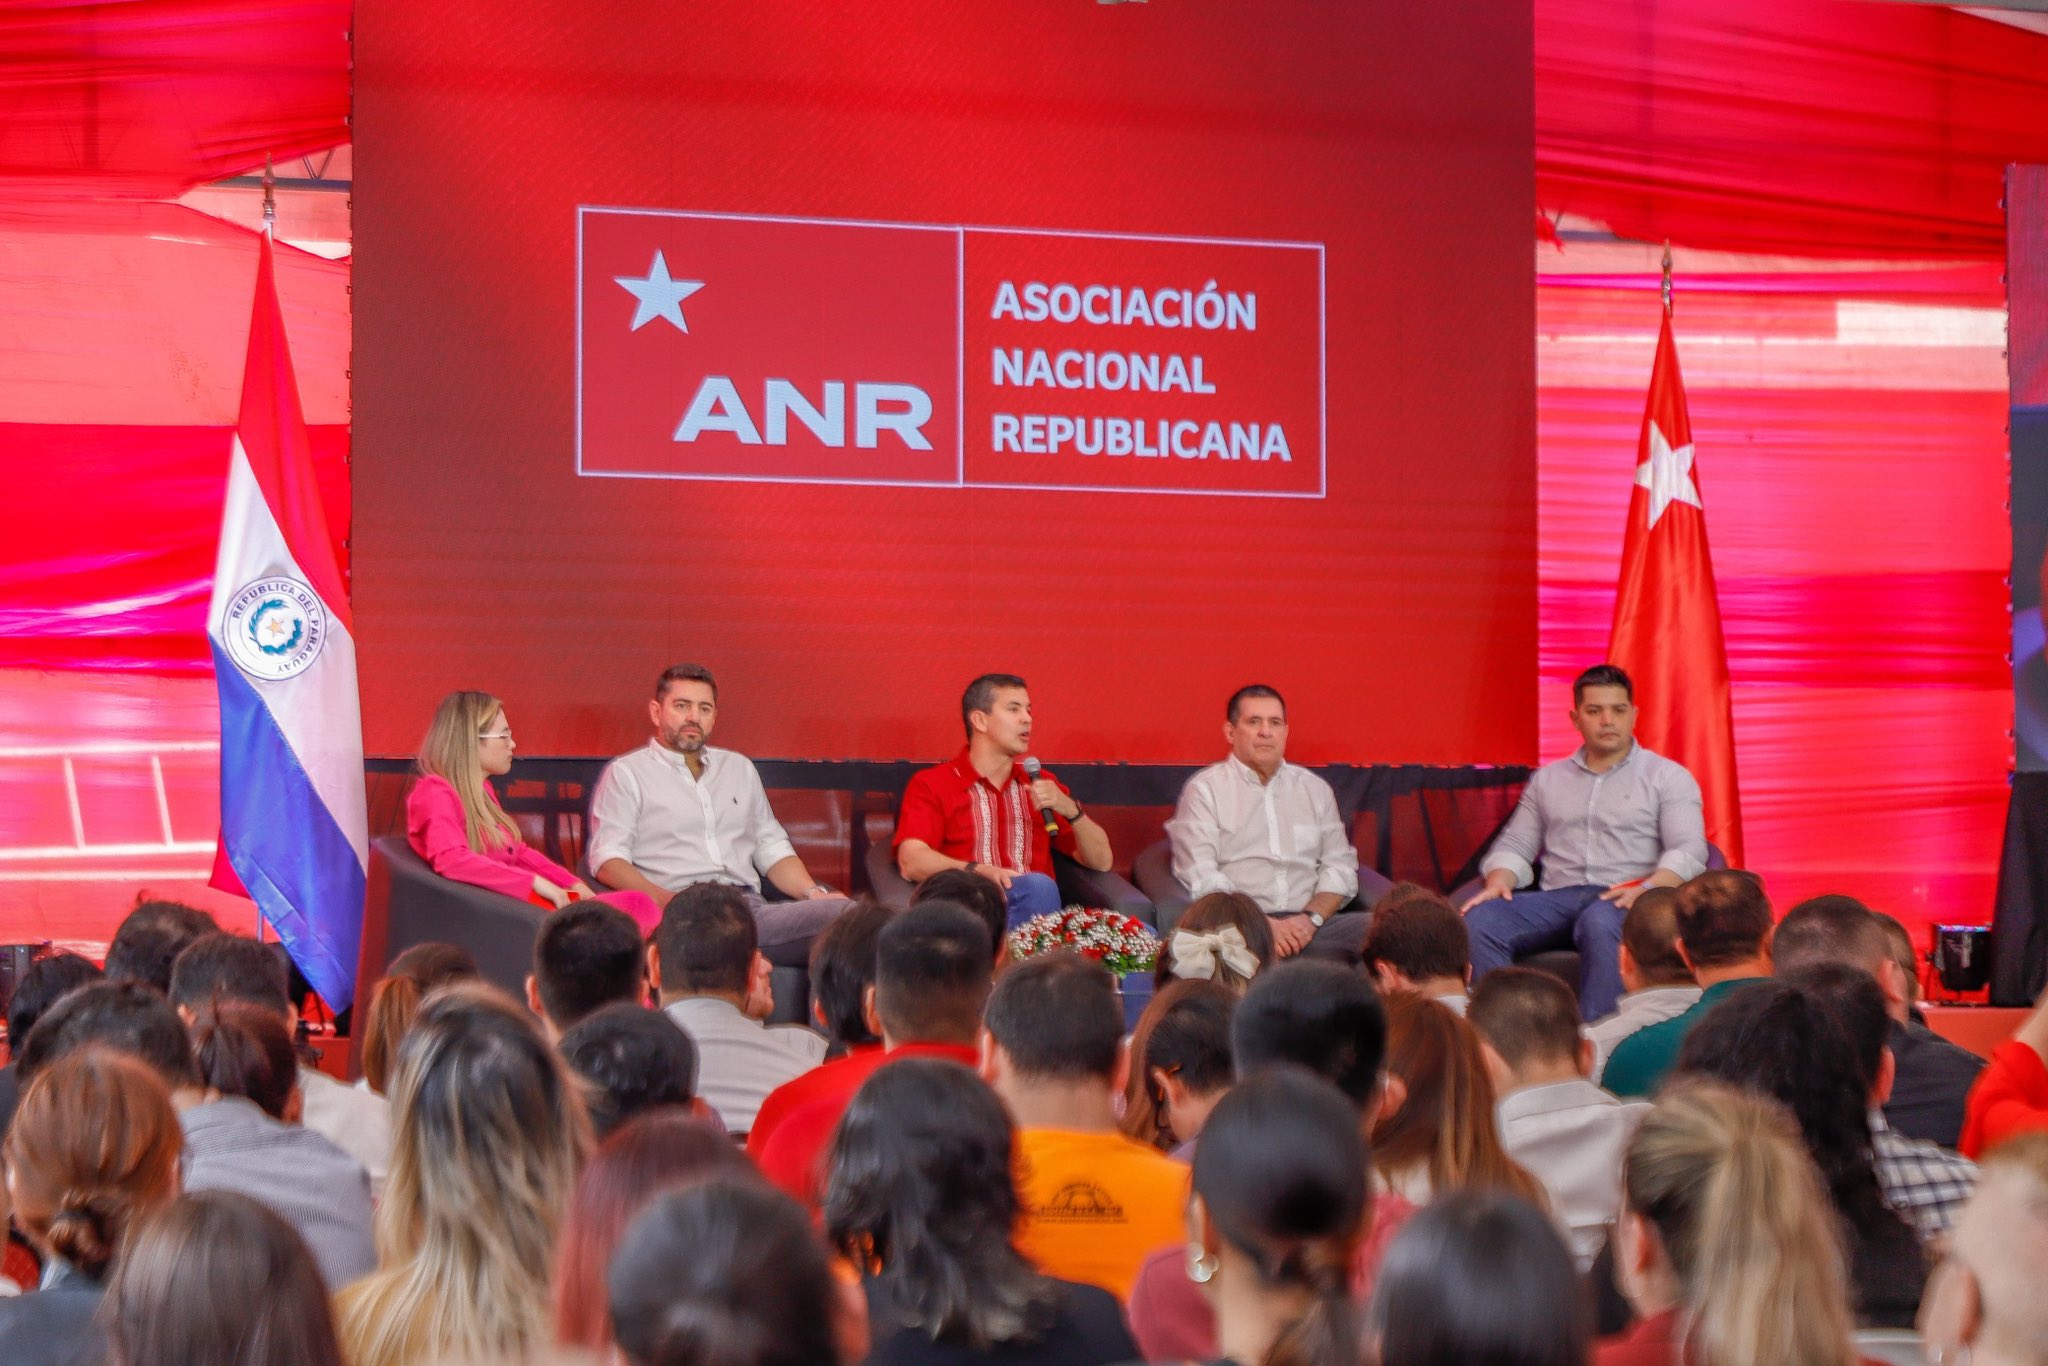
(1962,957)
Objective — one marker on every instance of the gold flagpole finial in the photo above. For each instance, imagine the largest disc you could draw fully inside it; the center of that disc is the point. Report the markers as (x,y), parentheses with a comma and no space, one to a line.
(269,199)
(1667,276)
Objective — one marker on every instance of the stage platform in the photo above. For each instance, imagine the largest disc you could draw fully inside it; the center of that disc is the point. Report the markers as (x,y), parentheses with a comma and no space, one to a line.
(1977,1028)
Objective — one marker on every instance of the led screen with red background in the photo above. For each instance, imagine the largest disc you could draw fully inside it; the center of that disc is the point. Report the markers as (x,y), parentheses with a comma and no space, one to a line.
(824,181)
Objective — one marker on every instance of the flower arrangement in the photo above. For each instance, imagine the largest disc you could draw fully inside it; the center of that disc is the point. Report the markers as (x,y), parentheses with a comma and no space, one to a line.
(1121,943)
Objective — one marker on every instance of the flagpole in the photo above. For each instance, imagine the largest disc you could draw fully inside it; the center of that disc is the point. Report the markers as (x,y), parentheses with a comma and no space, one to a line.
(1667,277)
(270,235)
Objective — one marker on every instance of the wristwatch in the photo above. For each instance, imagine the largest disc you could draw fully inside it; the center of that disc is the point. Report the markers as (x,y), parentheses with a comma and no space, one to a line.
(1316,919)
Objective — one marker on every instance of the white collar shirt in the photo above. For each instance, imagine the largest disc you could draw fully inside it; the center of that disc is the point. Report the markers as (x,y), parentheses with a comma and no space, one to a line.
(740,1059)
(1571,1136)
(1599,829)
(680,829)
(1637,1010)
(1279,842)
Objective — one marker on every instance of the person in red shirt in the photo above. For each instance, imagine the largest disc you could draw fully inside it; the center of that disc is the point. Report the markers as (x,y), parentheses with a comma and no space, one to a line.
(980,811)
(842,1007)
(932,978)
(2011,1095)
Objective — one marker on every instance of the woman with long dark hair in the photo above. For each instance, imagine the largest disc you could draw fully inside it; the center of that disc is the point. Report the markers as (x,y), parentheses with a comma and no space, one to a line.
(1778,1041)
(728,1273)
(1180,1065)
(922,1201)
(1443,1135)
(663,1150)
(1281,1190)
(1480,1278)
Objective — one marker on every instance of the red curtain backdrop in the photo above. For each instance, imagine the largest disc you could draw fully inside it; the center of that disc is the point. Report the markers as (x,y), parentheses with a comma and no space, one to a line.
(148,98)
(1850,431)
(122,332)
(1830,128)
(1854,456)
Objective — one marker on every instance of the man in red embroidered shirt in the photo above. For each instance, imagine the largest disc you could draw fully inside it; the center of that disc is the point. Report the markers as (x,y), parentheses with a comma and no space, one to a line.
(981,813)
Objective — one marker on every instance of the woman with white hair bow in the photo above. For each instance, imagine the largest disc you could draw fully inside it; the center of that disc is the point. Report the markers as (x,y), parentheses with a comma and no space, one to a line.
(1224,937)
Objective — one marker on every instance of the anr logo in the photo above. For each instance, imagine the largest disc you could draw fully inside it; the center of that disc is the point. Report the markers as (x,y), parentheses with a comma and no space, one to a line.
(771,323)
(719,408)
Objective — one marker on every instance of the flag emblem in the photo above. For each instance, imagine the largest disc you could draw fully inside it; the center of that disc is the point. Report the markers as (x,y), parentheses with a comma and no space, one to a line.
(274,628)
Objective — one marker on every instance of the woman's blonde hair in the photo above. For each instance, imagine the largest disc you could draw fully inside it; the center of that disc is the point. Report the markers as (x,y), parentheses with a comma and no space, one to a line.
(1725,1180)
(1446,1125)
(488,1130)
(449,752)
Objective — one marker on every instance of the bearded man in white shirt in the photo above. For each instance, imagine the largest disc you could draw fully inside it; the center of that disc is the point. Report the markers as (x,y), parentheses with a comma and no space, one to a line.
(1258,825)
(678,812)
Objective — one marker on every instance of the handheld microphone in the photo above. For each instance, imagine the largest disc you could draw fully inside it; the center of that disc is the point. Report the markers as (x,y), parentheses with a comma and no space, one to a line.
(1052,825)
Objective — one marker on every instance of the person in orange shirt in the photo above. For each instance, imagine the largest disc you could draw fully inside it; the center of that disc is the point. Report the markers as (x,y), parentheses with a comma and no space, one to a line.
(1095,1202)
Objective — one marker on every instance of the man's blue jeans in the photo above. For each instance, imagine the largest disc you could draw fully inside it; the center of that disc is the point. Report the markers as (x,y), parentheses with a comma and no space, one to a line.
(1563,918)
(1031,894)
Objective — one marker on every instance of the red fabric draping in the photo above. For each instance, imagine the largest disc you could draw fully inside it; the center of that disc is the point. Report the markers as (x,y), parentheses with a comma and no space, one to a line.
(138,313)
(122,334)
(1826,128)
(151,97)
(114,569)
(1856,471)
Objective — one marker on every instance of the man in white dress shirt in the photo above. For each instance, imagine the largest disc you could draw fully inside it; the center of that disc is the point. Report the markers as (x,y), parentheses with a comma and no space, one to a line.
(1258,825)
(678,812)
(1567,1132)
(1659,982)
(715,984)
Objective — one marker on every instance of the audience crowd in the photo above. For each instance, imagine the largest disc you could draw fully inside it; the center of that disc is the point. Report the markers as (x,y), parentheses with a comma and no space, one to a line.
(1759,1157)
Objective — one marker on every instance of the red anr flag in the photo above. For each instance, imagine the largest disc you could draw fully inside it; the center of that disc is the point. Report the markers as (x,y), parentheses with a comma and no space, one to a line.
(1667,619)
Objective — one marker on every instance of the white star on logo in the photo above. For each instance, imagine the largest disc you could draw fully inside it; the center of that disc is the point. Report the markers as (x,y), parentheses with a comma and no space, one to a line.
(1667,474)
(658,295)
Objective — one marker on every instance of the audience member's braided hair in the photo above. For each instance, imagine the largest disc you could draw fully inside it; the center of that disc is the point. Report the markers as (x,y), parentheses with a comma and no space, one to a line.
(727,1273)
(1722,1178)
(1282,1178)
(94,1143)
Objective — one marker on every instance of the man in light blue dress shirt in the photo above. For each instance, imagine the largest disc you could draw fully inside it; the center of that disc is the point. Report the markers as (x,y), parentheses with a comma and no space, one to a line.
(1606,823)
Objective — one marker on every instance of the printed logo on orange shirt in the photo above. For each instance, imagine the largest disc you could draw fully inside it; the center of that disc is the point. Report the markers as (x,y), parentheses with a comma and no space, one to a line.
(1081,1202)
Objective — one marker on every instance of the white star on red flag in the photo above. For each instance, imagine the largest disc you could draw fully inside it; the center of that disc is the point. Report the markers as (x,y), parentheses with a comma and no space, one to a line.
(1667,474)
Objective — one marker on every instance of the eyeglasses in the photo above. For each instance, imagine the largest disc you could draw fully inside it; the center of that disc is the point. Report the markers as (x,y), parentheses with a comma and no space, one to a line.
(496,735)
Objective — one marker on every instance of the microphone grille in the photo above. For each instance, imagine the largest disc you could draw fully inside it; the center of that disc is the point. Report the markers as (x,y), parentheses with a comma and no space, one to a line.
(1031,765)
